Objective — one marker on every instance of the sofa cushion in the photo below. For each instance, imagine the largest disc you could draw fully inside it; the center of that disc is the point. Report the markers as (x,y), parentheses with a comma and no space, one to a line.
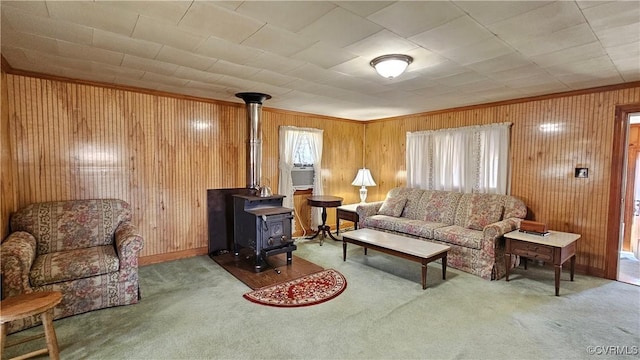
(458,235)
(68,225)
(419,228)
(412,209)
(73,264)
(441,207)
(383,222)
(402,225)
(470,204)
(482,213)
(392,206)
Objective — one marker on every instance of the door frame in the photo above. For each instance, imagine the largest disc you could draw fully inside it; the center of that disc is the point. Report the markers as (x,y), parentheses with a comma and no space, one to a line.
(618,164)
(629,190)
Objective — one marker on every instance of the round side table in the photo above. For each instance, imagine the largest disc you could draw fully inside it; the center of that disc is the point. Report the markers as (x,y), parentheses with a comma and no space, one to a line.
(21,306)
(324,201)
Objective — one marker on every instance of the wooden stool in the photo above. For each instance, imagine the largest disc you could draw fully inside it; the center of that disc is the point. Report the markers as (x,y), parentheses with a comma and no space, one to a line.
(21,306)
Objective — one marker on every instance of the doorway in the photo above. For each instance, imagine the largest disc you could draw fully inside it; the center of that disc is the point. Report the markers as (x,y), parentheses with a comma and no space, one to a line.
(629,253)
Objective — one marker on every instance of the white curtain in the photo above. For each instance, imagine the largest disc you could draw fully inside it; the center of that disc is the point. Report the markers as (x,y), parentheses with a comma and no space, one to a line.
(467,159)
(289,139)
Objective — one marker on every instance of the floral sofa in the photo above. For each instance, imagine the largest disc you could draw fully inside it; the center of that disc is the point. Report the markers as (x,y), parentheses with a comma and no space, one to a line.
(86,249)
(472,224)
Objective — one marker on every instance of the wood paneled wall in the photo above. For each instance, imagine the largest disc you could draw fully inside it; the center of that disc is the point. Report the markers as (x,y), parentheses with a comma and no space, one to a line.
(302,212)
(7,188)
(161,154)
(64,140)
(542,162)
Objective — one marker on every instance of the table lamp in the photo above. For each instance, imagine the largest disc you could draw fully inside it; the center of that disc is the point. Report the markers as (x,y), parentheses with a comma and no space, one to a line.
(363,179)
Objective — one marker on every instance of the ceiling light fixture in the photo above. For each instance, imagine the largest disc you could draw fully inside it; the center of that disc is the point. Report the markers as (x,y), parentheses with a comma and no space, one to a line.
(390,66)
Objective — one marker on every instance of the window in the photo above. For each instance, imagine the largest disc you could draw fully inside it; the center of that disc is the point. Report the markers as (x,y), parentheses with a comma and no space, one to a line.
(302,173)
(302,155)
(467,159)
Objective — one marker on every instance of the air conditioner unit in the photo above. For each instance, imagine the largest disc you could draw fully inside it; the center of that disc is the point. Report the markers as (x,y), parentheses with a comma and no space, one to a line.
(302,177)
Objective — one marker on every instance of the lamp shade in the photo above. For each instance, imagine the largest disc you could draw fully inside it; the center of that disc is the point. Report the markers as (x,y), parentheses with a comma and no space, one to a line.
(391,66)
(363,178)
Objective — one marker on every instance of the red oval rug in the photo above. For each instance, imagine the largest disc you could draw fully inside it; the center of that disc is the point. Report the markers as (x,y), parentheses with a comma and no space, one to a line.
(307,290)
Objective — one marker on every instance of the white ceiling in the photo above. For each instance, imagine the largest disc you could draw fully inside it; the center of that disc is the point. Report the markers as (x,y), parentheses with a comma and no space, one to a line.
(314,56)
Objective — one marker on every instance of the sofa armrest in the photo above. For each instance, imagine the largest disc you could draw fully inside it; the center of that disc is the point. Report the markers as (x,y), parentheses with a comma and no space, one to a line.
(498,229)
(128,245)
(17,254)
(367,209)
(493,248)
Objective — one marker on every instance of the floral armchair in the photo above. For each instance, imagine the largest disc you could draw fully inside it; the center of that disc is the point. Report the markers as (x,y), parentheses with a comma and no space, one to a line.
(86,249)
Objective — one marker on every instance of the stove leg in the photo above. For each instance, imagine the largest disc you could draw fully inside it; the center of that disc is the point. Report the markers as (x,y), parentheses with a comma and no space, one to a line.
(289,257)
(260,262)
(263,257)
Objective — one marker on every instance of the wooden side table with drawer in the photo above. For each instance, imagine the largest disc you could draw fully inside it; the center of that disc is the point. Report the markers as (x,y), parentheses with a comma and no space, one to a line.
(556,248)
(347,212)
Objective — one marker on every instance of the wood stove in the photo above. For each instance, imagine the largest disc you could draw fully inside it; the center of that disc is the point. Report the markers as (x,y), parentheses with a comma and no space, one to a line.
(262,224)
(259,222)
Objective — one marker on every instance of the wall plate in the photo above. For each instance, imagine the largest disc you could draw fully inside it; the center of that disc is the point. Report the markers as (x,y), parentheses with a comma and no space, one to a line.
(582,172)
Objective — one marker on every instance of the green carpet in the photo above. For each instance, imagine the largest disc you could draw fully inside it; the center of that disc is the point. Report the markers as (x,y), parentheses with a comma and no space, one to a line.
(193,309)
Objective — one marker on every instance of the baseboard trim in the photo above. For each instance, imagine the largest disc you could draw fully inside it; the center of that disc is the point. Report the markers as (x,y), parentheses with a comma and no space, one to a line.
(585,270)
(154,259)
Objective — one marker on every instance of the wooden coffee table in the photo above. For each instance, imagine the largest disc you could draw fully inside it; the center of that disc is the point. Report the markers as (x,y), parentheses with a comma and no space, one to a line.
(421,251)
